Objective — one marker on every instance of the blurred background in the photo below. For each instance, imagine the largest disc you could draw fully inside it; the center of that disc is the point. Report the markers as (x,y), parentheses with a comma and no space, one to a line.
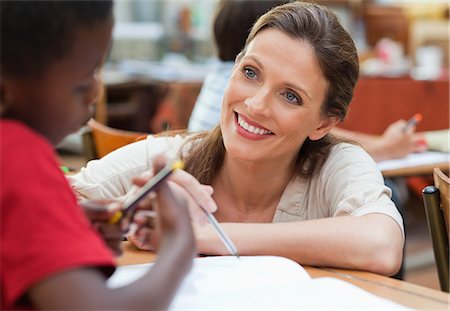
(162,50)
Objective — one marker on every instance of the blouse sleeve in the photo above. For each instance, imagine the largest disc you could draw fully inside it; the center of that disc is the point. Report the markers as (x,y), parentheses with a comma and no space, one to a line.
(111,176)
(354,185)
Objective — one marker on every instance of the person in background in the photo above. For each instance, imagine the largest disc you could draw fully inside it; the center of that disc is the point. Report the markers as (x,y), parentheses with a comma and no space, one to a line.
(393,143)
(283,185)
(232,24)
(51,256)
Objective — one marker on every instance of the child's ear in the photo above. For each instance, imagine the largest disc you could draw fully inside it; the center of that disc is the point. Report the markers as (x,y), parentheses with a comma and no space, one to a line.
(2,97)
(324,128)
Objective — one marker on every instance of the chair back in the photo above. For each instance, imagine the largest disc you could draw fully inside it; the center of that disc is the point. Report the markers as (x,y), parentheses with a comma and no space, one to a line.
(436,202)
(442,182)
(106,139)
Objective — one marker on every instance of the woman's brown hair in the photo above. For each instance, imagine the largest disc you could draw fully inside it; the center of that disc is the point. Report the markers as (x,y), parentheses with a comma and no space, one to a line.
(338,60)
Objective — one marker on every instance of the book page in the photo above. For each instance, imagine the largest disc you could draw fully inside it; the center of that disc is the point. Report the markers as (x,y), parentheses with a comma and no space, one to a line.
(415,159)
(258,283)
(438,140)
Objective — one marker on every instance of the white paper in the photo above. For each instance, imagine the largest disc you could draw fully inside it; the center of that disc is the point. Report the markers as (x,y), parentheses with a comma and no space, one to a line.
(258,283)
(415,159)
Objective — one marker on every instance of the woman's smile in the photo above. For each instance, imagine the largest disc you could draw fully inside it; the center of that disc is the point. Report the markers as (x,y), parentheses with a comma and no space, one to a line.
(250,129)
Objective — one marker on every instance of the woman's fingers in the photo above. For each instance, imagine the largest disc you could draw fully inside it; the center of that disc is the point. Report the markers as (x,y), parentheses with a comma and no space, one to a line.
(143,231)
(186,186)
(200,193)
(142,239)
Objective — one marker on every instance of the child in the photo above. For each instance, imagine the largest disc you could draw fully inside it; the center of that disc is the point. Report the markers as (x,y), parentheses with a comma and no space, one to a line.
(51,258)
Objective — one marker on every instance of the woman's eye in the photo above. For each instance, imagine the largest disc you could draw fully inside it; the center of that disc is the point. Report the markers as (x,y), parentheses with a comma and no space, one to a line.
(249,73)
(292,97)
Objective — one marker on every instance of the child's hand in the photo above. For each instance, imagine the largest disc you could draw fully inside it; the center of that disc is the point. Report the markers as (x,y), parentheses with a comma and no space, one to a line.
(100,213)
(145,233)
(162,214)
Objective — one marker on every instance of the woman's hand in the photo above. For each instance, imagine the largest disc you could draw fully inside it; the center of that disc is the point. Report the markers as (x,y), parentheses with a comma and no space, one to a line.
(183,185)
(198,196)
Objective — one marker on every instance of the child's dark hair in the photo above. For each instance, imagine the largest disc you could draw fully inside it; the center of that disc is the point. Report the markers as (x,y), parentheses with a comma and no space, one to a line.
(36,33)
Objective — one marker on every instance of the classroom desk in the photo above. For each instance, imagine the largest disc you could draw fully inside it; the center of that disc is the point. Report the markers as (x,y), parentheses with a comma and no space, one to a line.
(408,294)
(405,293)
(416,170)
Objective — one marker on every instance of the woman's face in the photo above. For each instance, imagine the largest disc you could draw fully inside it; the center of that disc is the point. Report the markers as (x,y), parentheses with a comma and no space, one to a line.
(273,100)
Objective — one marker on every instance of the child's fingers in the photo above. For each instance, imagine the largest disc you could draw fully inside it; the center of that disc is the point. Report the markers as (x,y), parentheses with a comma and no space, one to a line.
(100,210)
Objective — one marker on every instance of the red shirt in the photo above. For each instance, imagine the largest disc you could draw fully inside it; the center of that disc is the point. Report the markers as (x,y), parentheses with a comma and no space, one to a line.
(43,230)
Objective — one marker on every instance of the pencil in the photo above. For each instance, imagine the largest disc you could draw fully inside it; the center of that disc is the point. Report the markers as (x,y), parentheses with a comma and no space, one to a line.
(223,236)
(413,121)
(130,206)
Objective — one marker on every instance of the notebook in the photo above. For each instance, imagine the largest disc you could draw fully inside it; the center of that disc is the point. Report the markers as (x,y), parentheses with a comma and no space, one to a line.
(258,283)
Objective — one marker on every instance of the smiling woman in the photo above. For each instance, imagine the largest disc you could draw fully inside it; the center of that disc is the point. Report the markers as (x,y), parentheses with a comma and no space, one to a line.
(283,185)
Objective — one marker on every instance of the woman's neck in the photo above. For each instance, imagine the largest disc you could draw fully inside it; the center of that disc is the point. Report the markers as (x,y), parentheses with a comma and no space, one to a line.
(252,186)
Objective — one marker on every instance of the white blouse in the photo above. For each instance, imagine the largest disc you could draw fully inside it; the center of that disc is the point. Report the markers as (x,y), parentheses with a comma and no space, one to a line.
(349,182)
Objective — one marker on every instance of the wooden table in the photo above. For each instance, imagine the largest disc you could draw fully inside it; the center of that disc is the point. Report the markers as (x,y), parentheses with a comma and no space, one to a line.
(416,170)
(404,293)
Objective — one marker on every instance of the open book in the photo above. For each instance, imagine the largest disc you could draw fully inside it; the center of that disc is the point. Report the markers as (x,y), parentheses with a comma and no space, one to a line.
(259,283)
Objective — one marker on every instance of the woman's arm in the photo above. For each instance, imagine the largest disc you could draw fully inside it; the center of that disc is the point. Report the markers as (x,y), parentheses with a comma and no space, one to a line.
(350,220)
(372,242)
(111,176)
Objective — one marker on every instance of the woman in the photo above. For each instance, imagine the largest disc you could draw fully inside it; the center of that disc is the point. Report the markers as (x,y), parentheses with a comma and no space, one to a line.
(280,180)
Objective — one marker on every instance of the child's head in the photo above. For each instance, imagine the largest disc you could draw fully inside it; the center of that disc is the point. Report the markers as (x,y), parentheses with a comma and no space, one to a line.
(233,22)
(50,51)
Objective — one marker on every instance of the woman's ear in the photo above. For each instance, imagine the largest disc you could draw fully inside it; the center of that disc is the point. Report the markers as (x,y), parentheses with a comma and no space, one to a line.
(324,128)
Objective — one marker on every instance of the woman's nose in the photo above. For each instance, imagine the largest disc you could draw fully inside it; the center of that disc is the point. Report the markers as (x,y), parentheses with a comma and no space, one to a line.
(258,104)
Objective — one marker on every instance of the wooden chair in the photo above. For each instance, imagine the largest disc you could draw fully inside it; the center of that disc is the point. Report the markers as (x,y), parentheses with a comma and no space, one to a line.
(436,202)
(103,139)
